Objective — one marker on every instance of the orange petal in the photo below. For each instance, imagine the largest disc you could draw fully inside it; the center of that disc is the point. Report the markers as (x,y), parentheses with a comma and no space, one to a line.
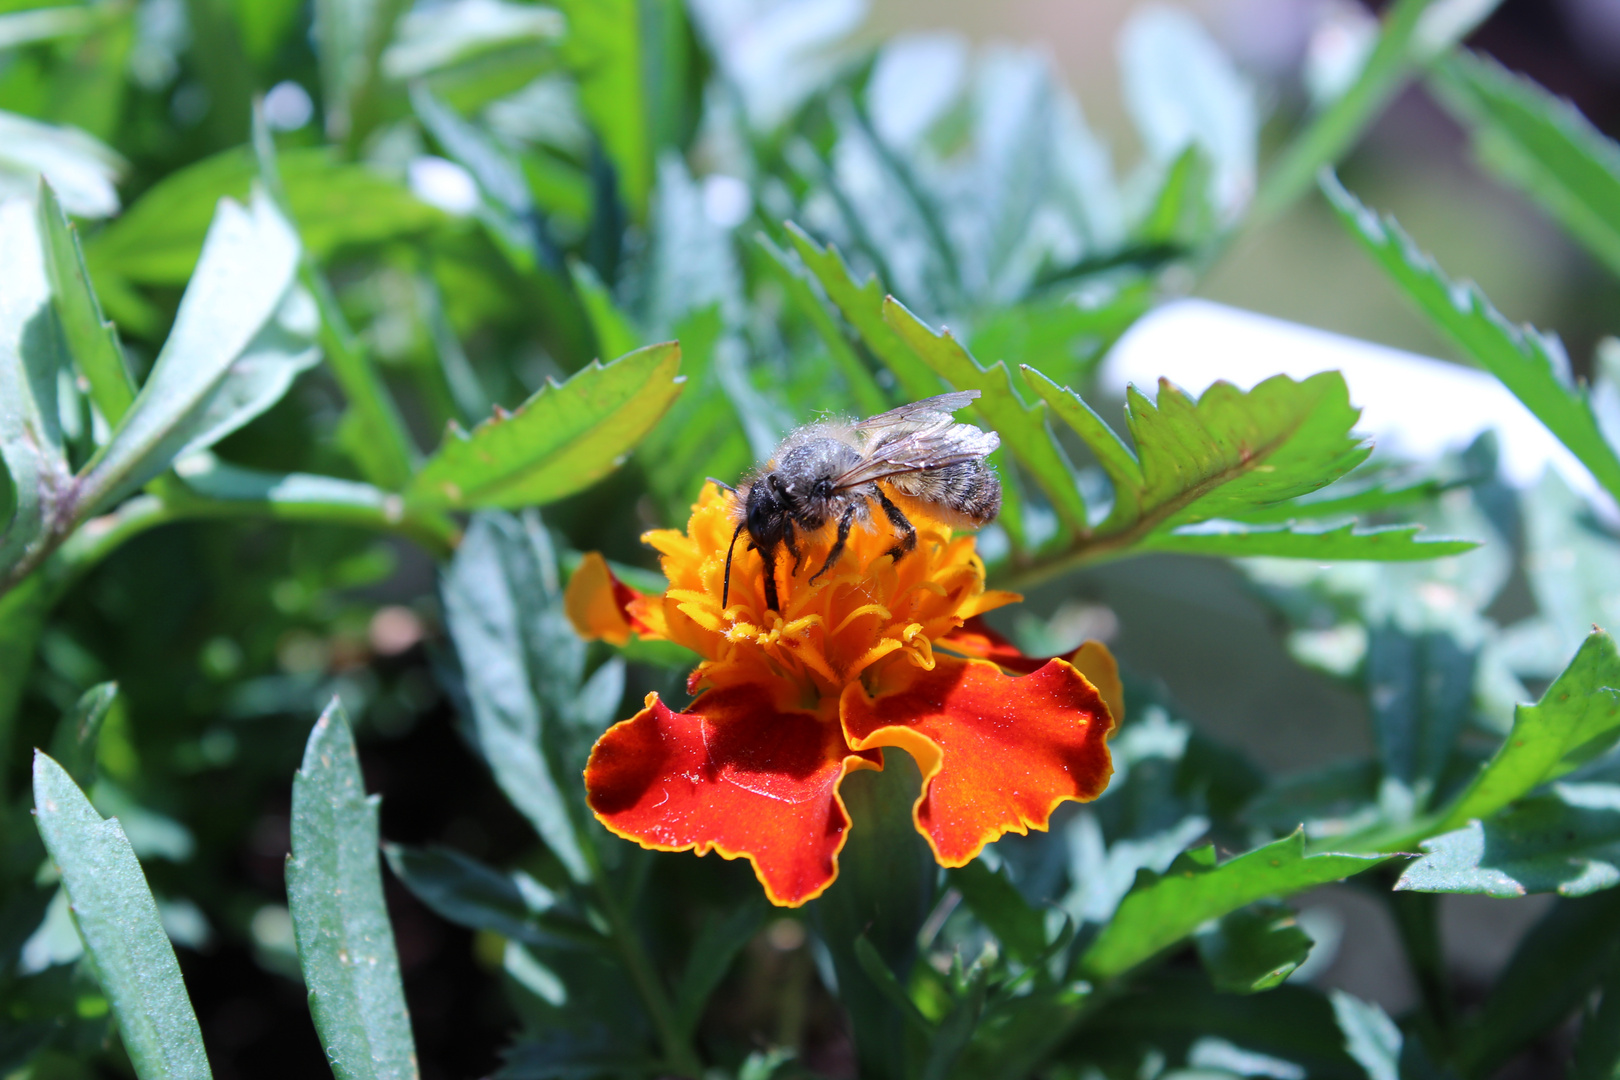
(997,753)
(601,606)
(738,774)
(1092,659)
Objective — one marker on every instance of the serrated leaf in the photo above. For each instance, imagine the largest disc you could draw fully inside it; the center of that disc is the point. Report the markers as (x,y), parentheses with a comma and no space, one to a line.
(1002,908)
(471,894)
(1022,427)
(336,204)
(92,341)
(1552,970)
(334,891)
(1161,910)
(861,303)
(1529,363)
(227,316)
(122,931)
(31,355)
(1385,543)
(1117,459)
(523,664)
(562,440)
(1567,841)
(1576,719)
(1252,949)
(1541,144)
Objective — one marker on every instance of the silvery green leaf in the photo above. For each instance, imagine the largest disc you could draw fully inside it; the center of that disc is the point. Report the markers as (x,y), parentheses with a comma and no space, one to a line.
(777,52)
(1182,89)
(693,262)
(241,283)
(433,38)
(80,168)
(44,24)
(31,355)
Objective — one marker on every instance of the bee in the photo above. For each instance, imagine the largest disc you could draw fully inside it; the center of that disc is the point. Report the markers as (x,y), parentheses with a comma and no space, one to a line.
(834,471)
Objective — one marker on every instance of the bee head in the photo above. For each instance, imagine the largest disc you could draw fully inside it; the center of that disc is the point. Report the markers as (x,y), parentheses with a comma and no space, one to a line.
(766,511)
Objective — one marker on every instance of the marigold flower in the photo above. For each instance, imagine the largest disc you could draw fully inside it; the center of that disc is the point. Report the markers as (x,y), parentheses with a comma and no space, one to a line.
(877,653)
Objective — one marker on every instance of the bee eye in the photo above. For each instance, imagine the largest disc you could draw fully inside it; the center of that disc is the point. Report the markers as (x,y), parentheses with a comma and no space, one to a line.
(823,488)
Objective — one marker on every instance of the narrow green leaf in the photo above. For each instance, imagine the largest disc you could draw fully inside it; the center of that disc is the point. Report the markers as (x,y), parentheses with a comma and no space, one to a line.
(1576,719)
(1117,459)
(1384,543)
(604,48)
(956,1028)
(1597,1051)
(615,335)
(523,665)
(73,745)
(336,204)
(1252,949)
(334,891)
(1022,427)
(123,934)
(240,286)
(1002,908)
(713,950)
(809,301)
(562,440)
(1182,212)
(1541,144)
(873,965)
(350,36)
(1552,971)
(1567,841)
(1370,1036)
(861,303)
(1161,910)
(468,893)
(1529,363)
(91,339)
(31,355)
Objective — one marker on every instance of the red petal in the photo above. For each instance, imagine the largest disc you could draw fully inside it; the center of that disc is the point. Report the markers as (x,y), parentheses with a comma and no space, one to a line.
(1092,659)
(739,774)
(601,606)
(997,753)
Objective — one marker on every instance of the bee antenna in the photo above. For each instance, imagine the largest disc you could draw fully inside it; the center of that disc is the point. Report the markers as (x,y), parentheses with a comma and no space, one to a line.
(721,484)
(725,591)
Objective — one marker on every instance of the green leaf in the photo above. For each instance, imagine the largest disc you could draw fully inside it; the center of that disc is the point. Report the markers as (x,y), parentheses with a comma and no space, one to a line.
(1252,949)
(1385,543)
(1116,459)
(73,745)
(349,37)
(1370,1036)
(1161,910)
(956,1028)
(861,303)
(1541,144)
(123,934)
(80,168)
(808,299)
(1567,841)
(1597,1052)
(562,440)
(1182,213)
(433,39)
(336,205)
(1022,427)
(1061,337)
(523,664)
(92,340)
(1421,696)
(615,335)
(1551,973)
(1002,908)
(1576,719)
(713,949)
(1530,364)
(31,355)
(227,316)
(468,893)
(334,891)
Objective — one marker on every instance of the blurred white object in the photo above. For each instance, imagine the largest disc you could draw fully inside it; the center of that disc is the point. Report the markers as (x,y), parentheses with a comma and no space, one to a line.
(726,200)
(287,107)
(1414,407)
(81,169)
(442,183)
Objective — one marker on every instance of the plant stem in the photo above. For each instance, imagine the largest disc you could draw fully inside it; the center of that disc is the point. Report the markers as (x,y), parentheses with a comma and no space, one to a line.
(677,1048)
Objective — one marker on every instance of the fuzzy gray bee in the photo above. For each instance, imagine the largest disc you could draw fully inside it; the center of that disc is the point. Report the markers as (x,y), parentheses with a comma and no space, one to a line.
(830,471)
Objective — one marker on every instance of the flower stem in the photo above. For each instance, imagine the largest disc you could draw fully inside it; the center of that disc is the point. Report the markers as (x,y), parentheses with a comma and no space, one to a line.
(678,1051)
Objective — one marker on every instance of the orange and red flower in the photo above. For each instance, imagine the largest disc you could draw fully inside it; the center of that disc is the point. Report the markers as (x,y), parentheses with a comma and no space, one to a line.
(877,653)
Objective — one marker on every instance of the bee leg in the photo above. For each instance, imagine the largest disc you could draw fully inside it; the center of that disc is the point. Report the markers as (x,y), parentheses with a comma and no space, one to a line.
(792,543)
(771,601)
(844,524)
(902,525)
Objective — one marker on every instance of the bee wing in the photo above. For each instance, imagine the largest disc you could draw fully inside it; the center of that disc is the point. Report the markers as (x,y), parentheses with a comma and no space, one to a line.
(934,410)
(919,451)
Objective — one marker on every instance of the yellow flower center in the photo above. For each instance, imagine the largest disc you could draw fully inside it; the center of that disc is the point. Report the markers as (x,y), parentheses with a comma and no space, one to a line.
(867,607)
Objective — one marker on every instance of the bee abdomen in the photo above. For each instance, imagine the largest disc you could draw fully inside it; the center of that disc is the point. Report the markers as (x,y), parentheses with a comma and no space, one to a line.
(965,493)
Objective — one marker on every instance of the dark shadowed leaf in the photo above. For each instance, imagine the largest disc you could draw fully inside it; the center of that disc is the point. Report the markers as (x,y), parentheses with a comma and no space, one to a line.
(1388,543)
(1252,949)
(562,440)
(1002,908)
(334,891)
(479,897)
(73,745)
(122,931)
(715,947)
(91,340)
